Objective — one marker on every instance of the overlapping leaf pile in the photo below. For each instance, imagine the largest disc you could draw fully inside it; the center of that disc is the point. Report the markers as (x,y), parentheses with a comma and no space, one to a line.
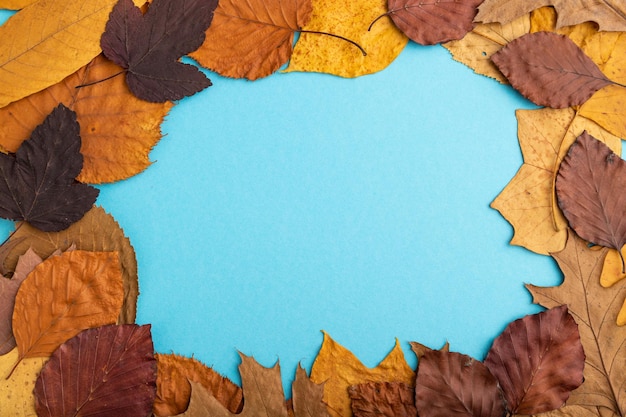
(84,88)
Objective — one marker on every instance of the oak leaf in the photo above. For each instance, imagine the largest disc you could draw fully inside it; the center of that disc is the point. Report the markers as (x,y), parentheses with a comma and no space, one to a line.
(349,19)
(338,369)
(47,41)
(610,15)
(307,396)
(528,202)
(108,371)
(97,231)
(252,39)
(148,46)
(595,310)
(117,129)
(586,188)
(477,47)
(39,183)
(174,377)
(8,292)
(433,23)
(550,70)
(382,399)
(538,360)
(17,384)
(64,295)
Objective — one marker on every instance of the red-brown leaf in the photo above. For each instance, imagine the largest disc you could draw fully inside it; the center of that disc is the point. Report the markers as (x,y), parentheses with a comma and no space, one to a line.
(106,371)
(589,188)
(538,360)
(433,22)
(550,70)
(450,384)
(382,399)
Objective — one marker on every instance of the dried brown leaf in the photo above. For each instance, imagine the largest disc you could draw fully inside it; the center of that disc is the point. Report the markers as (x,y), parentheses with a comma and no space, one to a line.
(383,399)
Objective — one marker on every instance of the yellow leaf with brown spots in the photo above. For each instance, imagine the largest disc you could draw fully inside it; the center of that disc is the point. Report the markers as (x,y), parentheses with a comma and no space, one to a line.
(16,385)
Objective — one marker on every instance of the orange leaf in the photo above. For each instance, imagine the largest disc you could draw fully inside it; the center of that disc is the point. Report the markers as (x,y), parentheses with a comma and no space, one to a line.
(64,295)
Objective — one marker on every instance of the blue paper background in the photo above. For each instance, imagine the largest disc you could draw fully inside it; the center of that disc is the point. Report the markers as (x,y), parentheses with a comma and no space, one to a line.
(307,202)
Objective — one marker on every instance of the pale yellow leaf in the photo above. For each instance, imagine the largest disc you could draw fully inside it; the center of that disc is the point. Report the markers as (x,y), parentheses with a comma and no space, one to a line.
(16,392)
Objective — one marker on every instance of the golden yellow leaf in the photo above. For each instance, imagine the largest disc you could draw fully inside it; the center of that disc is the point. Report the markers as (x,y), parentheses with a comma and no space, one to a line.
(528,202)
(15,4)
(476,48)
(16,392)
(97,231)
(47,41)
(117,129)
(338,368)
(350,19)
(612,268)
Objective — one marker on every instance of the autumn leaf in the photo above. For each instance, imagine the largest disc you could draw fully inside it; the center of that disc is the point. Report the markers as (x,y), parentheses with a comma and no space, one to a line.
(174,377)
(610,15)
(595,309)
(97,231)
(47,41)
(8,292)
(382,399)
(117,129)
(433,23)
(15,4)
(17,384)
(64,295)
(108,371)
(39,180)
(148,46)
(252,39)
(586,187)
(528,202)
(338,369)
(477,47)
(307,396)
(538,360)
(348,19)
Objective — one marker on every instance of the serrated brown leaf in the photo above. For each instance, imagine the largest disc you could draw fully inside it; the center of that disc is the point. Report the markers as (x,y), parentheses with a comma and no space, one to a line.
(8,291)
(97,231)
(174,377)
(148,46)
(550,70)
(433,22)
(105,371)
(337,368)
(452,384)
(5,249)
(39,183)
(610,15)
(117,129)
(538,360)
(420,349)
(64,295)
(587,187)
(595,310)
(382,399)
(252,39)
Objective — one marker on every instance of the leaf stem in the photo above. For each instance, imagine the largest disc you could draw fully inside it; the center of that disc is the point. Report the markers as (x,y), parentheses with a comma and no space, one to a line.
(102,80)
(338,37)
(378,18)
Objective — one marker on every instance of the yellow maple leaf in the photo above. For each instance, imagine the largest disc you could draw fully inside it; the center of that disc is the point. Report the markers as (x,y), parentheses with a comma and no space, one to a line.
(528,202)
(350,19)
(338,368)
(16,392)
(15,4)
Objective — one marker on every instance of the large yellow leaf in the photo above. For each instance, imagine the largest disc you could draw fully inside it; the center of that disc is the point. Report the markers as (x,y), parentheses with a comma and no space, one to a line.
(528,202)
(16,385)
(350,19)
(47,41)
(15,4)
(338,368)
(117,129)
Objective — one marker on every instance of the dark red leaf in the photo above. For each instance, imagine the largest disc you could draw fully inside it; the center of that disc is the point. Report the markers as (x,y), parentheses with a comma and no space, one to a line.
(589,189)
(106,371)
(550,70)
(382,399)
(429,23)
(450,384)
(538,360)
(38,182)
(149,46)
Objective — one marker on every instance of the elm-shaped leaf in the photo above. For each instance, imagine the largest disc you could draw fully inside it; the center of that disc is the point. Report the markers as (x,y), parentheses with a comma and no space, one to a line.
(538,360)
(105,371)
(39,182)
